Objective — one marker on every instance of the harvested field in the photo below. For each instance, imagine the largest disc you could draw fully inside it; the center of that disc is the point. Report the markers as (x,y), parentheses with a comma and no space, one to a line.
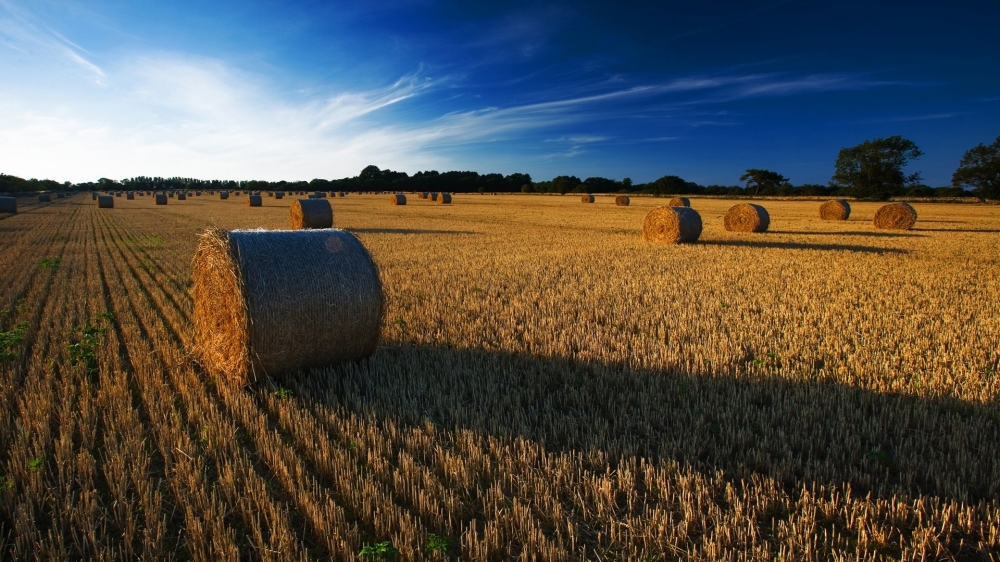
(827,391)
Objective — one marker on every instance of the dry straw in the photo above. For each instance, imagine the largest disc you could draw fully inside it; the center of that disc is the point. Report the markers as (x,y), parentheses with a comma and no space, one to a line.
(623,201)
(105,202)
(397,199)
(679,202)
(267,302)
(311,213)
(895,216)
(254,201)
(444,199)
(588,198)
(747,217)
(672,225)
(835,210)
(161,199)
(44,198)
(223,195)
(8,205)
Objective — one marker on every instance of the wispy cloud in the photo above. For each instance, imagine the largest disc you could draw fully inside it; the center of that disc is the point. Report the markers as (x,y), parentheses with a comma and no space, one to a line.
(23,32)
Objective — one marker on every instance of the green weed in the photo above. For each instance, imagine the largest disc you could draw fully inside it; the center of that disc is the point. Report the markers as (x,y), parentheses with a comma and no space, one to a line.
(379,551)
(437,543)
(51,264)
(90,336)
(11,339)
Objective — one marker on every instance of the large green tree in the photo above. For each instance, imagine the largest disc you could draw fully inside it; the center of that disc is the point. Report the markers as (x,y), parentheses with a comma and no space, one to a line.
(980,170)
(765,180)
(874,169)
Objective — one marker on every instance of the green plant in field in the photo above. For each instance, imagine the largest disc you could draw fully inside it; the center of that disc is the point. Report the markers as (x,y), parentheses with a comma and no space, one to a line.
(437,543)
(6,483)
(11,339)
(282,393)
(379,551)
(50,263)
(36,463)
(401,323)
(90,335)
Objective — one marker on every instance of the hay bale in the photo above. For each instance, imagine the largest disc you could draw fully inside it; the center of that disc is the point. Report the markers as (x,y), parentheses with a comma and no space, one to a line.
(130,196)
(197,194)
(267,302)
(171,194)
(279,194)
(105,202)
(161,199)
(672,225)
(835,210)
(254,201)
(93,196)
(433,196)
(444,199)
(747,217)
(44,198)
(588,198)
(424,195)
(397,199)
(623,201)
(319,195)
(182,196)
(342,194)
(223,195)
(8,205)
(311,213)
(679,202)
(60,196)
(895,216)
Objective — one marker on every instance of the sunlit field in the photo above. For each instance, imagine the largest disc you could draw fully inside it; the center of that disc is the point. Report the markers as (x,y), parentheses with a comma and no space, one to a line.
(548,387)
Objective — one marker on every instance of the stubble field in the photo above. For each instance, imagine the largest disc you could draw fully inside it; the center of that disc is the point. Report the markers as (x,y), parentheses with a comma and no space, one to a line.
(548,387)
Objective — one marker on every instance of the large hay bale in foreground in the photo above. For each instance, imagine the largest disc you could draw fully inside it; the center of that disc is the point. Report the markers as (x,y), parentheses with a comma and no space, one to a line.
(835,210)
(105,202)
(623,201)
(672,225)
(747,217)
(311,213)
(161,199)
(267,302)
(8,205)
(223,195)
(679,202)
(397,199)
(895,216)
(444,199)
(254,201)
(588,198)
(44,198)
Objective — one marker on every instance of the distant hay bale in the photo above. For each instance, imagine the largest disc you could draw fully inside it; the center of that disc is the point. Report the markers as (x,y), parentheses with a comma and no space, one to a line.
(311,213)
(8,205)
(161,199)
(672,225)
(679,202)
(424,195)
(267,302)
(622,201)
(130,195)
(444,199)
(44,198)
(279,194)
(93,196)
(835,210)
(182,196)
(747,217)
(397,199)
(197,194)
(254,201)
(60,196)
(171,194)
(320,194)
(223,195)
(105,202)
(342,194)
(588,198)
(895,216)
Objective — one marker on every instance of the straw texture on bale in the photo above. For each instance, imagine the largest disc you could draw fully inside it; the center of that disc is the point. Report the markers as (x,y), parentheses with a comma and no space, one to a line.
(44,198)
(311,213)
(161,199)
(105,202)
(223,195)
(587,198)
(622,201)
(444,199)
(747,217)
(8,205)
(895,216)
(254,201)
(267,302)
(679,202)
(130,195)
(397,199)
(672,225)
(279,194)
(835,210)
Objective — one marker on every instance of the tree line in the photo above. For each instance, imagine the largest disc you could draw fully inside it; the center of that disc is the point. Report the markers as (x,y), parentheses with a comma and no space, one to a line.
(873,169)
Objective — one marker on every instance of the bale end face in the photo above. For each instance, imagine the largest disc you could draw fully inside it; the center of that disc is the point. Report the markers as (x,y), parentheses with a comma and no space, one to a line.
(835,210)
(747,217)
(895,216)
(311,213)
(444,199)
(679,202)
(587,199)
(672,225)
(623,201)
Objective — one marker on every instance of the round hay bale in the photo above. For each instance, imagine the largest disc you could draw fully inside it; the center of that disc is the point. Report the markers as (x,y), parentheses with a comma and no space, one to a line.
(588,198)
(105,202)
(747,217)
(182,196)
(397,199)
(223,195)
(672,225)
(342,194)
(93,196)
(60,196)
(161,199)
(171,194)
(44,198)
(254,201)
(8,205)
(835,210)
(433,196)
(267,302)
(130,195)
(320,194)
(444,199)
(311,213)
(424,195)
(679,202)
(895,216)
(623,201)
(279,194)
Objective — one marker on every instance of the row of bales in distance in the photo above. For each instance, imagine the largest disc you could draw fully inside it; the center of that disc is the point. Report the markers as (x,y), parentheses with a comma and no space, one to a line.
(8,205)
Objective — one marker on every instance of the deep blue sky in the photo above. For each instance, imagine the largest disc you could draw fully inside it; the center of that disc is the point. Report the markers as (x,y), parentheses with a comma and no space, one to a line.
(297,90)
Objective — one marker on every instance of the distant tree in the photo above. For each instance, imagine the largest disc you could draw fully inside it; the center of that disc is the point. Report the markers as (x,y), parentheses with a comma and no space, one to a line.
(874,169)
(627,183)
(564,184)
(370,173)
(980,170)
(766,180)
(526,188)
(9,184)
(672,185)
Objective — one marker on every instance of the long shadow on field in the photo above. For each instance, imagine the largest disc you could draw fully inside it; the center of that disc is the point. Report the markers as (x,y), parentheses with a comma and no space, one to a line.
(741,420)
(803,246)
(986,230)
(872,233)
(406,231)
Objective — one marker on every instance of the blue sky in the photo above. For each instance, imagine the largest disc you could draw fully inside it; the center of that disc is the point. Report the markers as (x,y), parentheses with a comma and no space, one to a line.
(298,90)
